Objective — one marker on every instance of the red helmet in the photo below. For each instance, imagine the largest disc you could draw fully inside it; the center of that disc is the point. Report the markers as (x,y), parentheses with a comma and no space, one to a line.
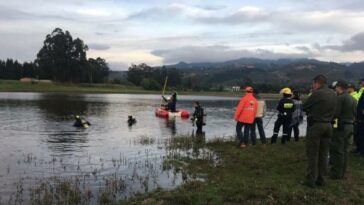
(249,89)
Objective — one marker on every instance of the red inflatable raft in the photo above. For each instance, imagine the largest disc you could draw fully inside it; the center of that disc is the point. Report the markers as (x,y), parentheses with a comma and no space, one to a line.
(162,112)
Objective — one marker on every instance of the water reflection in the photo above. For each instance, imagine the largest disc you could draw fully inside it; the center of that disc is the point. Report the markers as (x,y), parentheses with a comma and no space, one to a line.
(67,141)
(171,125)
(43,125)
(60,106)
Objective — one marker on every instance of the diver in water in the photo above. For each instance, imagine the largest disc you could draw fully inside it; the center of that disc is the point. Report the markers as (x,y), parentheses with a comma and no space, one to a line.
(81,122)
(131,120)
(198,117)
(171,102)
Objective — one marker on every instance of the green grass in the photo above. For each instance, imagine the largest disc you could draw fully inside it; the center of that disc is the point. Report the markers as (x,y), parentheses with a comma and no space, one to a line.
(259,174)
(17,86)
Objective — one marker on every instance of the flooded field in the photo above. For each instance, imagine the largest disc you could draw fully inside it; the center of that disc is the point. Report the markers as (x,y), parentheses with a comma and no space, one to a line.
(40,147)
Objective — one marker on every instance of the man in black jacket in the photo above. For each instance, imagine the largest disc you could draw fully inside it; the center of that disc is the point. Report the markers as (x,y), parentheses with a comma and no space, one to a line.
(285,109)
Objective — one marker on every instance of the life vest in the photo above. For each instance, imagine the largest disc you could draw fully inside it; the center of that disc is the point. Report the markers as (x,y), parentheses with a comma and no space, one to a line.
(247,109)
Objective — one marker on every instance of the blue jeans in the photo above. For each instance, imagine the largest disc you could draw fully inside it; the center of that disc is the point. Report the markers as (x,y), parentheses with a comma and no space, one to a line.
(239,127)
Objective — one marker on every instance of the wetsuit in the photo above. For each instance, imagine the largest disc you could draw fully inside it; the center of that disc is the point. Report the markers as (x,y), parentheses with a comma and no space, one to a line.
(198,118)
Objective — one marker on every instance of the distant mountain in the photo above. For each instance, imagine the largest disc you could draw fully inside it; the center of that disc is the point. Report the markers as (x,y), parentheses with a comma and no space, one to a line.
(244,62)
(292,72)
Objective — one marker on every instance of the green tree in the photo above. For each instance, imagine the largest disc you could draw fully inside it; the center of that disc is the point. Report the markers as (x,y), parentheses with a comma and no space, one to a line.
(98,70)
(150,84)
(61,58)
(136,73)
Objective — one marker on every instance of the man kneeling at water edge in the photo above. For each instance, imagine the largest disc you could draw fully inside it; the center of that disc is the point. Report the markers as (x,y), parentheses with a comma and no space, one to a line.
(245,115)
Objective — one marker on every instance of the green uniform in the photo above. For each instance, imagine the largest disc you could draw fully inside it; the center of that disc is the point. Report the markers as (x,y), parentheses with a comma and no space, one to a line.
(343,130)
(320,108)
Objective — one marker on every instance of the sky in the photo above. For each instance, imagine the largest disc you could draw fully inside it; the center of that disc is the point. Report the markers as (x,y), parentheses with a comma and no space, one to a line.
(160,32)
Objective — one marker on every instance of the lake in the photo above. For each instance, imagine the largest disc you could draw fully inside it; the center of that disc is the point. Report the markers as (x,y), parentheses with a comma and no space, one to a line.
(38,141)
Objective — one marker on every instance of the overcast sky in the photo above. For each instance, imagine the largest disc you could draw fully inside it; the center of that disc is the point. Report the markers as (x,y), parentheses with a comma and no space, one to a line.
(164,32)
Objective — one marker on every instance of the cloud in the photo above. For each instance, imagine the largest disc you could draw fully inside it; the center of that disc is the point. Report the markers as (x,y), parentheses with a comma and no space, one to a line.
(219,53)
(15,14)
(211,7)
(355,43)
(122,31)
(118,66)
(289,19)
(171,10)
(100,33)
(246,14)
(97,46)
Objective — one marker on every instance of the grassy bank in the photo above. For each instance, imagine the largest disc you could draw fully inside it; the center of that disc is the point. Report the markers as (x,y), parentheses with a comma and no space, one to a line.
(17,86)
(268,174)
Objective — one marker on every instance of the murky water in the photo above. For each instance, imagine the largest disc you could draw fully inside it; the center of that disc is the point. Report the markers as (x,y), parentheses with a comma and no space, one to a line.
(37,139)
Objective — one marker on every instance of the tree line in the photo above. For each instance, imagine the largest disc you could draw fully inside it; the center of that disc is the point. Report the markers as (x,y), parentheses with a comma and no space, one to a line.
(152,78)
(62,59)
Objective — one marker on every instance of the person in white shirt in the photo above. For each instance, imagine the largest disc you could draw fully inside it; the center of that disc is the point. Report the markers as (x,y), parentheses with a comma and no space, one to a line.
(258,122)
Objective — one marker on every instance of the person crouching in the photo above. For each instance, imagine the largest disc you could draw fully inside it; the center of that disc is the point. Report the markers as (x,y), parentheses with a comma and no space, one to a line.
(245,115)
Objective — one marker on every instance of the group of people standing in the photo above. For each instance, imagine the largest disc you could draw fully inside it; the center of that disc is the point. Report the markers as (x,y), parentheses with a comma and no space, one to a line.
(334,114)
(251,110)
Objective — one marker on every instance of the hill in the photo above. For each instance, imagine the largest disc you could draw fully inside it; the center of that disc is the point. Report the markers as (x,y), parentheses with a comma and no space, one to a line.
(267,73)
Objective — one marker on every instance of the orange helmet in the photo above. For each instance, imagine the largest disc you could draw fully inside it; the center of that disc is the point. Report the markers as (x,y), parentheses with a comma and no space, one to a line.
(249,89)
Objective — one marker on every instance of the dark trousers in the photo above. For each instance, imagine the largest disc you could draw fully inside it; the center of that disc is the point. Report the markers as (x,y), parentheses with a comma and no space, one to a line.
(339,150)
(281,121)
(199,128)
(243,139)
(258,123)
(317,150)
(296,131)
(356,137)
(360,133)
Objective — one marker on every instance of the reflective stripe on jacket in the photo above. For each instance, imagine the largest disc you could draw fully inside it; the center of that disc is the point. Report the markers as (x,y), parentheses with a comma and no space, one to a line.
(247,109)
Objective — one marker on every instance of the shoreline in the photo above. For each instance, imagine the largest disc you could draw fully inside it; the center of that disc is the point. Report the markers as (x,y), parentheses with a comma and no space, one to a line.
(16,86)
(261,174)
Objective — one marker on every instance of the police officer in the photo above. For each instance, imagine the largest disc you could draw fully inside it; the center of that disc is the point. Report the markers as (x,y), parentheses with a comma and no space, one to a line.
(352,91)
(320,108)
(285,109)
(360,91)
(343,130)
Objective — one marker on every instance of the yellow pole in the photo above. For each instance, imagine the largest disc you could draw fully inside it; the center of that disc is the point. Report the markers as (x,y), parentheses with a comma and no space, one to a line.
(164,88)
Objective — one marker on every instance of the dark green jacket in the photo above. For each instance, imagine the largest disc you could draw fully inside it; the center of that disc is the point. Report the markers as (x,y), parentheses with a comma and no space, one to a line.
(321,105)
(345,108)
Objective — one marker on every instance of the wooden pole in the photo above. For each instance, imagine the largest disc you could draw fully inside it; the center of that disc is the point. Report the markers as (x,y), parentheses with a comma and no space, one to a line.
(164,88)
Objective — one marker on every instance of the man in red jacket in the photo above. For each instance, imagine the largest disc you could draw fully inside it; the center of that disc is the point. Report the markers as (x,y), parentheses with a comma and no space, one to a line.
(245,116)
